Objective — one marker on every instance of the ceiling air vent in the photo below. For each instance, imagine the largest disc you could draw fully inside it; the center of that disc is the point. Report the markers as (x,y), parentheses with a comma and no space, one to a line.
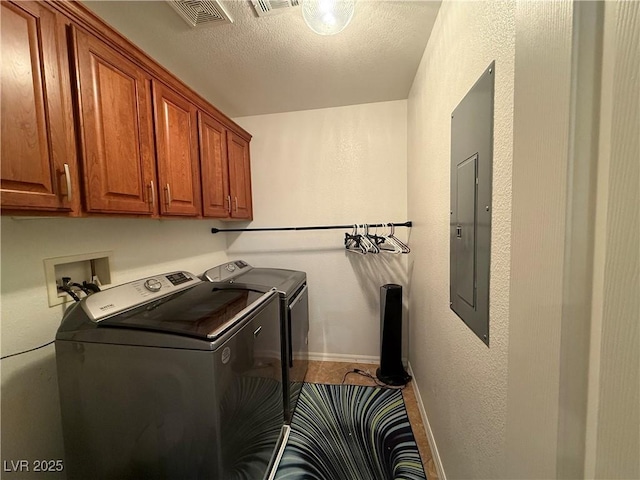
(270,7)
(201,12)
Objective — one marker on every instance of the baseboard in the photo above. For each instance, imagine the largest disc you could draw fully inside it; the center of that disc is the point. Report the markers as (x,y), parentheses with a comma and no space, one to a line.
(341,357)
(432,441)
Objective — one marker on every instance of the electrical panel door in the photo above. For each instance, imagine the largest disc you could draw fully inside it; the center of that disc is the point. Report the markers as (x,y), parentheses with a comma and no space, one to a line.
(470,225)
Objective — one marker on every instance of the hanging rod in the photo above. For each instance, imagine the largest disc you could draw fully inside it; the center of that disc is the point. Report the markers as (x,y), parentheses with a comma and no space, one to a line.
(317,227)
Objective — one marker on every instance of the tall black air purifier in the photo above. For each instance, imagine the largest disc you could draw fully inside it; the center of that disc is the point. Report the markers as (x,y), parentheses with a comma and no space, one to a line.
(391,370)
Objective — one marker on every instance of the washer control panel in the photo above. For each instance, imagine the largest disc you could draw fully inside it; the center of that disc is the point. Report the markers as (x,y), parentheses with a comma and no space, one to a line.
(153,285)
(125,297)
(226,271)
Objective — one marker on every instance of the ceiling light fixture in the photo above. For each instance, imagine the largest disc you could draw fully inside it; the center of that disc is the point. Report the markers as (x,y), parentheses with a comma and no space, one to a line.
(327,17)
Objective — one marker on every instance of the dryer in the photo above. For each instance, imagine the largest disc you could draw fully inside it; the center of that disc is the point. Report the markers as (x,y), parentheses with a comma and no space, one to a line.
(294,316)
(170,377)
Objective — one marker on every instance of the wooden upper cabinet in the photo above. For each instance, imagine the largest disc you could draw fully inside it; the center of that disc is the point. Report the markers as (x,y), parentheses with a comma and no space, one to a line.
(239,177)
(216,199)
(39,170)
(116,133)
(177,152)
(91,124)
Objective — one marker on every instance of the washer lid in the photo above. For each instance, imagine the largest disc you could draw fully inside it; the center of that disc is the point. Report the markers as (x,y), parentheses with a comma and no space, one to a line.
(201,311)
(285,281)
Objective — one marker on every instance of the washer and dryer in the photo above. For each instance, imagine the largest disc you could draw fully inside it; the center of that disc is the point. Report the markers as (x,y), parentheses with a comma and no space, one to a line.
(172,377)
(294,316)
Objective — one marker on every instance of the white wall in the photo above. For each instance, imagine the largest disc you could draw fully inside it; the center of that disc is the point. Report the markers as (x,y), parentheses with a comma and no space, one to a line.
(540,241)
(320,167)
(518,409)
(613,428)
(462,383)
(548,326)
(30,409)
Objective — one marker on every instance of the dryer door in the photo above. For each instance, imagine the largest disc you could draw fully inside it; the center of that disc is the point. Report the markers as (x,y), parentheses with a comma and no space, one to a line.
(298,354)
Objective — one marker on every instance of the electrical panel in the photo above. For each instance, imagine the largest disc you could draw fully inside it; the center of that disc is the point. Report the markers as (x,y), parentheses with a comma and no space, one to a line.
(470,214)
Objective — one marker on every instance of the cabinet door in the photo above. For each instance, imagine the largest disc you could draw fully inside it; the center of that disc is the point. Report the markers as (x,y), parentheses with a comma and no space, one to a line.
(239,176)
(38,157)
(116,129)
(216,199)
(176,141)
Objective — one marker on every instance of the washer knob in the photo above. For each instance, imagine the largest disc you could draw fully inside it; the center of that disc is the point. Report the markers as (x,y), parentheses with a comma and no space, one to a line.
(231,267)
(153,285)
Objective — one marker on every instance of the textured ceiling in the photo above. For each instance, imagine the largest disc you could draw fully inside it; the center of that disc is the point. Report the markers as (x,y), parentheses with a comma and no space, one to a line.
(260,65)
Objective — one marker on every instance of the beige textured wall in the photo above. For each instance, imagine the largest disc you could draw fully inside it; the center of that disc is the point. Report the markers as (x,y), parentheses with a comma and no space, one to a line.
(321,167)
(463,384)
(518,409)
(613,428)
(542,129)
(31,426)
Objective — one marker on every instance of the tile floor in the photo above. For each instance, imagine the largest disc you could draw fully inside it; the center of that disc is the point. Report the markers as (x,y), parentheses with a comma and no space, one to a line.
(334,372)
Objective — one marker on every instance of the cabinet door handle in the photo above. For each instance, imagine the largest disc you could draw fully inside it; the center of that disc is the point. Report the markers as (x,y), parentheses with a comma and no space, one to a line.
(229,201)
(67,176)
(236,199)
(153,194)
(168,190)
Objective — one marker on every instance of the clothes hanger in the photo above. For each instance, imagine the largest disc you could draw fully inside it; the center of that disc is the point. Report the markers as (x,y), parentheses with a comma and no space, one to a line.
(378,240)
(405,248)
(369,244)
(389,245)
(352,242)
(349,239)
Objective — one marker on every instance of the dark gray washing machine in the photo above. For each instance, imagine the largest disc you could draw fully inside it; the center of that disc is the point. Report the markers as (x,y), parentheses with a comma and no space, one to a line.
(294,314)
(169,377)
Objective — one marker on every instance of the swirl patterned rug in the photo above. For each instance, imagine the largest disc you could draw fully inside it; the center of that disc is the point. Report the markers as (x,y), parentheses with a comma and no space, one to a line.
(350,432)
